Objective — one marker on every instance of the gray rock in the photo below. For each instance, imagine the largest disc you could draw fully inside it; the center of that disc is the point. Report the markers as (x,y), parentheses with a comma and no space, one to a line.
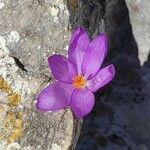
(140,21)
(30,31)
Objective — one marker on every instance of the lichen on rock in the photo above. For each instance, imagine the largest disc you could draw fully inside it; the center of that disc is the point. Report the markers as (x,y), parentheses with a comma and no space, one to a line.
(11,120)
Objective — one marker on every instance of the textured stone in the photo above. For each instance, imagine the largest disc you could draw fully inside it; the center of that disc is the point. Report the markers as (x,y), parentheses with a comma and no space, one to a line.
(30,31)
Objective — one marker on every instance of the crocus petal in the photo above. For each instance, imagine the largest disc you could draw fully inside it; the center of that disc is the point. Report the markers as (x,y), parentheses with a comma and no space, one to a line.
(78,45)
(61,68)
(82,102)
(54,97)
(94,56)
(103,77)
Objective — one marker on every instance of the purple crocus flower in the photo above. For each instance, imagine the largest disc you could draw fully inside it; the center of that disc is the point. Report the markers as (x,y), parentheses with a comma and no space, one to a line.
(78,76)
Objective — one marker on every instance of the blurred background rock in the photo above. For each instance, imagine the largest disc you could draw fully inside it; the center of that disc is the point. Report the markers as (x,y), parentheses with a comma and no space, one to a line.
(120,119)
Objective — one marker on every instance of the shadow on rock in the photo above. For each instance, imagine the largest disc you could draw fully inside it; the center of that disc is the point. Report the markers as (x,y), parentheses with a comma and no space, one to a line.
(116,122)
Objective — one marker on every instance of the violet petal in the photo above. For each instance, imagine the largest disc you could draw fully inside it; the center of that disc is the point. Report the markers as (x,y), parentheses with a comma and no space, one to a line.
(78,45)
(94,56)
(55,96)
(82,102)
(62,69)
(103,77)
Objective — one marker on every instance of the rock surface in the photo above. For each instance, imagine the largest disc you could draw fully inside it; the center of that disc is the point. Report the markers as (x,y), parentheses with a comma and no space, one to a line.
(140,21)
(30,31)
(120,119)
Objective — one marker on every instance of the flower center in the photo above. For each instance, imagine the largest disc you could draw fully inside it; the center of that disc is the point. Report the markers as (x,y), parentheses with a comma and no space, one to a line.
(79,81)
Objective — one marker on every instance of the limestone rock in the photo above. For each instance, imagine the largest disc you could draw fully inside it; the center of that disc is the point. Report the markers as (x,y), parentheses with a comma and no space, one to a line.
(30,31)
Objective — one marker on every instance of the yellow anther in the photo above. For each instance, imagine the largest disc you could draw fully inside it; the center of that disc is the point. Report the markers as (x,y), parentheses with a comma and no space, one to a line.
(79,81)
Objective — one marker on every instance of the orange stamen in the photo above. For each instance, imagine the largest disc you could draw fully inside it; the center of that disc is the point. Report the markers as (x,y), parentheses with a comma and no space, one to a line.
(79,81)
